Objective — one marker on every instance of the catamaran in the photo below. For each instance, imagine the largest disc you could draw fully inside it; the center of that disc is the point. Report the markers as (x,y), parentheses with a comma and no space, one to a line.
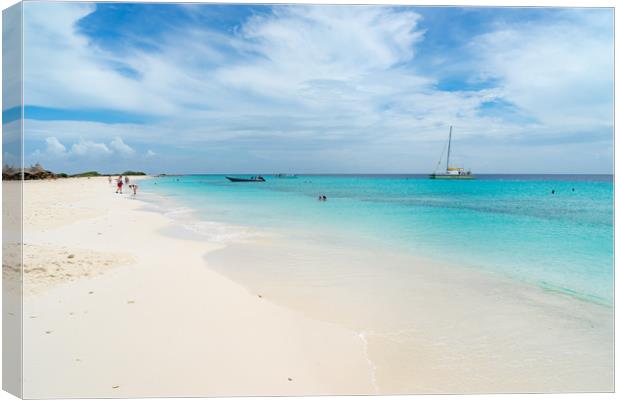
(451,172)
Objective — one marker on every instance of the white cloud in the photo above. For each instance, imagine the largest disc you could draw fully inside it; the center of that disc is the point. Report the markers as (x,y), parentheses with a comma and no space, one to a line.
(559,73)
(86,148)
(303,48)
(54,147)
(150,153)
(306,80)
(118,146)
(90,149)
(64,70)
(81,154)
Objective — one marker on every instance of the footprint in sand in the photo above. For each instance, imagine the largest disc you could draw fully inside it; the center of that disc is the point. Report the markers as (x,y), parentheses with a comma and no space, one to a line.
(91,292)
(48,332)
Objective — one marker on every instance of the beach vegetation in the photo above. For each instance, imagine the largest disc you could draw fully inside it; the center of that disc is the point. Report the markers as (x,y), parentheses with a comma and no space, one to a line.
(133,173)
(86,174)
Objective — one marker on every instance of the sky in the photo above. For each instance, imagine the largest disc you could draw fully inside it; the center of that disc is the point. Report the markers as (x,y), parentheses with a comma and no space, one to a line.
(196,88)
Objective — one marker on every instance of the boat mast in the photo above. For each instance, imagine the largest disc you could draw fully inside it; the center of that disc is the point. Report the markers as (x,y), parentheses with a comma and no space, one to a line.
(449,141)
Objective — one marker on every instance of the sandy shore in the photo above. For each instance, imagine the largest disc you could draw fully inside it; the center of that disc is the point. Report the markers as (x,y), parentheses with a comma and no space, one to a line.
(433,327)
(115,307)
(119,303)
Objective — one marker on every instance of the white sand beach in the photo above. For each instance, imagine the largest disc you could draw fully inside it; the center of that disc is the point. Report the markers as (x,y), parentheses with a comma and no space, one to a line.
(115,308)
(115,305)
(345,199)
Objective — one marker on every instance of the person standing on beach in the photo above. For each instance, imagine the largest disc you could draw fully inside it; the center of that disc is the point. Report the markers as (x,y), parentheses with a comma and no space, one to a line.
(110,179)
(119,184)
(126,180)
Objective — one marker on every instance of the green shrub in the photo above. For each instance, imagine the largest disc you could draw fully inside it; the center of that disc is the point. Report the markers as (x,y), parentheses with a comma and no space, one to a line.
(133,173)
(86,174)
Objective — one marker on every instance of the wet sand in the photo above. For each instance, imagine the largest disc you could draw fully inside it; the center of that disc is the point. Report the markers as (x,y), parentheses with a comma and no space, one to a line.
(431,327)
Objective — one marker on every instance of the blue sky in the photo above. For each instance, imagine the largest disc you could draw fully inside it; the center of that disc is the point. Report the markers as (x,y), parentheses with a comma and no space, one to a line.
(234,88)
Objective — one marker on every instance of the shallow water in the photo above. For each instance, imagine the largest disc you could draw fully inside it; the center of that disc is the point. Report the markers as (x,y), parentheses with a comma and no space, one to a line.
(510,225)
(494,285)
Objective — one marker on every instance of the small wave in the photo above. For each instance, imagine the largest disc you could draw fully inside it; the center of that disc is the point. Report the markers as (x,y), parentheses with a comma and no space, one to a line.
(592,298)
(189,219)
(218,232)
(372,367)
(176,212)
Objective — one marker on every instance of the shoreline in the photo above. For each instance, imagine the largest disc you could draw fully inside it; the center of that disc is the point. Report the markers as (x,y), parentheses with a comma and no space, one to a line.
(385,361)
(427,328)
(552,245)
(171,206)
(145,328)
(545,323)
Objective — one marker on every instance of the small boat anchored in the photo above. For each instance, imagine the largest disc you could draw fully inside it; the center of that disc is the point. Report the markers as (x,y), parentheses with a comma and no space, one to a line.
(286,176)
(252,179)
(451,172)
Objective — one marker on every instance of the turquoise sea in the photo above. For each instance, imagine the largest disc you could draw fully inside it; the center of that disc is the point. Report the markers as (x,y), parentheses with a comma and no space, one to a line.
(511,225)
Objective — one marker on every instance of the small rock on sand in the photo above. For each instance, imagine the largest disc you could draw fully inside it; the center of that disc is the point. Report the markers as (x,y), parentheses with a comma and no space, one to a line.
(71,256)
(115,387)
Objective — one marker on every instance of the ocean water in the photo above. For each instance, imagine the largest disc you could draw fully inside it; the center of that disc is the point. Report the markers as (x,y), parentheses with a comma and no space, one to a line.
(509,225)
(497,283)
